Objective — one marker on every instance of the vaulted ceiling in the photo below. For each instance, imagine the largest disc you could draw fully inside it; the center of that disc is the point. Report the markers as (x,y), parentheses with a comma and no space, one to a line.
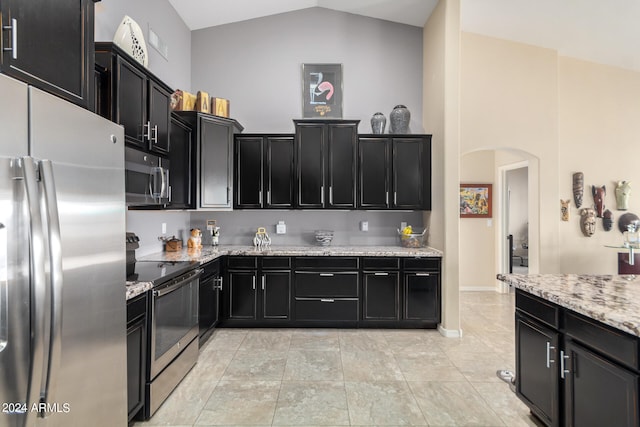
(601,31)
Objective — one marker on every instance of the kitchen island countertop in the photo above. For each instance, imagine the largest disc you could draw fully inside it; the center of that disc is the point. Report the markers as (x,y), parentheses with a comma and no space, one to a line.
(612,300)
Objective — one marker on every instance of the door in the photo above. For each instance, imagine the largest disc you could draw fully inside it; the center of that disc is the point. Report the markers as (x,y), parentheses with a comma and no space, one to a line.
(373,173)
(408,166)
(279,179)
(159,118)
(182,174)
(276,291)
(249,172)
(597,392)
(87,155)
(537,374)
(421,296)
(242,295)
(381,292)
(215,163)
(50,45)
(310,165)
(131,105)
(342,165)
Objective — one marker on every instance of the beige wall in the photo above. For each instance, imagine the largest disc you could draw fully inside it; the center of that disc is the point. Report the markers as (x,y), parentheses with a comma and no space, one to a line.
(565,116)
(441,119)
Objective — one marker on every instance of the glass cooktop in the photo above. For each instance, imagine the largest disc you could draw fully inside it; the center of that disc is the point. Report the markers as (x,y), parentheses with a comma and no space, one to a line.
(159,272)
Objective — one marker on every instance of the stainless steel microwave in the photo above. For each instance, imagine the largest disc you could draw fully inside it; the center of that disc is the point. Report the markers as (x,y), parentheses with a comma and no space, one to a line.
(146,178)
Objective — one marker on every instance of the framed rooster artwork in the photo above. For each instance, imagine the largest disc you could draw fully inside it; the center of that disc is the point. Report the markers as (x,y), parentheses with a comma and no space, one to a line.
(322,91)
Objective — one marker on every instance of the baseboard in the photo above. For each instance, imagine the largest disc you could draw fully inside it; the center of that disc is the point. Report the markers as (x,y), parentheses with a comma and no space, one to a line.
(450,333)
(478,289)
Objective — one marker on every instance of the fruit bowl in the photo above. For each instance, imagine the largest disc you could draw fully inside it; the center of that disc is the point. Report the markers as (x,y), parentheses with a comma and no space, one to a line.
(324,237)
(413,240)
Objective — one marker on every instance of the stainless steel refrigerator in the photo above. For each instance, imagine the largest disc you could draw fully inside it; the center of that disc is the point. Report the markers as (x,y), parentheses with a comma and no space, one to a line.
(62,263)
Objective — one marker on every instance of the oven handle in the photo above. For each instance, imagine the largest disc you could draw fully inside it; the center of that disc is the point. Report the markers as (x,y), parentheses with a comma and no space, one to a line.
(190,278)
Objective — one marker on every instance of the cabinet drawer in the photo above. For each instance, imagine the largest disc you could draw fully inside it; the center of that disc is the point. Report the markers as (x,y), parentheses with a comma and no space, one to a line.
(276,262)
(380,263)
(326,284)
(608,341)
(537,308)
(248,262)
(334,263)
(136,307)
(326,309)
(432,264)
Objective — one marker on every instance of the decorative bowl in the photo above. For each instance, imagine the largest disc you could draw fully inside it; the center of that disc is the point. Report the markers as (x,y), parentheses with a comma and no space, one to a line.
(324,237)
(413,240)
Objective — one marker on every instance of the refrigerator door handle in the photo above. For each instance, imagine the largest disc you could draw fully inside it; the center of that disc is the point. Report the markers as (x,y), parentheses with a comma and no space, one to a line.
(4,309)
(39,283)
(55,261)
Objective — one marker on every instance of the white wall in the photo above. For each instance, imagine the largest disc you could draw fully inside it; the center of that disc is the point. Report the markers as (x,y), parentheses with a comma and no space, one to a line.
(165,22)
(518,205)
(257,65)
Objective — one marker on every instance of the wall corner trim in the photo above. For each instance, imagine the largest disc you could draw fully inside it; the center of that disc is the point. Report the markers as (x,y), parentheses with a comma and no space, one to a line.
(450,333)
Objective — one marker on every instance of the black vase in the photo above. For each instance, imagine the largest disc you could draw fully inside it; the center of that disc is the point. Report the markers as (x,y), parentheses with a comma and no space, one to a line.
(378,123)
(399,119)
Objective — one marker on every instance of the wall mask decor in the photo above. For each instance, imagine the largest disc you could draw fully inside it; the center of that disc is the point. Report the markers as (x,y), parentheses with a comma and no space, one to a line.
(564,209)
(598,199)
(626,219)
(607,220)
(623,191)
(588,222)
(578,188)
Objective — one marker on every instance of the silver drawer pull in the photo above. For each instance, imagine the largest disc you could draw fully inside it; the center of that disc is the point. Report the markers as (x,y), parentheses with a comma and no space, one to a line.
(549,359)
(327,300)
(563,371)
(380,274)
(326,274)
(423,274)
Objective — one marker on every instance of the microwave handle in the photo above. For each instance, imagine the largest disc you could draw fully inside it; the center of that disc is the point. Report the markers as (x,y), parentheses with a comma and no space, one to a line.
(153,184)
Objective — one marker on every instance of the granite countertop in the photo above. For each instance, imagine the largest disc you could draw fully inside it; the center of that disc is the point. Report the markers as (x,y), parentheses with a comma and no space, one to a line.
(209,253)
(612,300)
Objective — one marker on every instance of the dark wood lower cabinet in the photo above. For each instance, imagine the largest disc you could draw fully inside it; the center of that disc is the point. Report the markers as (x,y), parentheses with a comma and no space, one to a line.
(209,300)
(422,296)
(381,295)
(572,370)
(136,353)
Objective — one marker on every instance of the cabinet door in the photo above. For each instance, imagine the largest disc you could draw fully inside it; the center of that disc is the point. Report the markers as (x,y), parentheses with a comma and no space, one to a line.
(408,167)
(276,291)
(310,165)
(53,46)
(422,296)
(181,159)
(136,372)
(341,158)
(381,296)
(279,175)
(242,295)
(248,172)
(216,139)
(207,301)
(131,103)
(537,374)
(598,392)
(159,118)
(373,173)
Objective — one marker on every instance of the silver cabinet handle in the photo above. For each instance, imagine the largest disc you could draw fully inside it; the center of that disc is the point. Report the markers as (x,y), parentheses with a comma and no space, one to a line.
(154,138)
(386,199)
(331,194)
(380,274)
(146,131)
(263,281)
(322,194)
(563,371)
(55,274)
(254,282)
(395,198)
(423,274)
(14,38)
(549,359)
(327,300)
(260,197)
(269,197)
(326,274)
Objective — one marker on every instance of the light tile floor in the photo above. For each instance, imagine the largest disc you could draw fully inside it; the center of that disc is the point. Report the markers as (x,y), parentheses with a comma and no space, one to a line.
(357,377)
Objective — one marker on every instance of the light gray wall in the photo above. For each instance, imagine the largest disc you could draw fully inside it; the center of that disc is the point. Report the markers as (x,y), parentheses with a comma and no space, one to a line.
(147,225)
(257,65)
(165,22)
(239,227)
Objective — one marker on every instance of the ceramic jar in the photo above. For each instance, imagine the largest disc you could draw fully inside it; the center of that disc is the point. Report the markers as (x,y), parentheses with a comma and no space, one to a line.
(399,119)
(378,123)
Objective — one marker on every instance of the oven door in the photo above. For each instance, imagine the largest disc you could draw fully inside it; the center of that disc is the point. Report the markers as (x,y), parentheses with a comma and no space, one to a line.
(174,319)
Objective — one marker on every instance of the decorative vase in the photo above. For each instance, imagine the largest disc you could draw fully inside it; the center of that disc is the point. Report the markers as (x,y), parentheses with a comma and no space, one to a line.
(129,38)
(378,123)
(399,119)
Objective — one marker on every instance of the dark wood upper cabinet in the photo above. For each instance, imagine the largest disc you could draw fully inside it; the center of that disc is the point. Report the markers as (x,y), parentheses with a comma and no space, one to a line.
(49,44)
(182,160)
(139,101)
(249,172)
(394,172)
(326,163)
(279,173)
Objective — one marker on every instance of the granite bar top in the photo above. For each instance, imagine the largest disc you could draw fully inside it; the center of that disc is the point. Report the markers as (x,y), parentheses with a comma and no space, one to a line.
(612,300)
(209,253)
